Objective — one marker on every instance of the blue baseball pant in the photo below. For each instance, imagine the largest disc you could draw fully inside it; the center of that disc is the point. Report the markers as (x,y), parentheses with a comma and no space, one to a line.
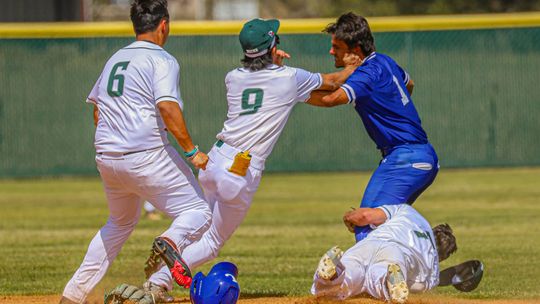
(403,174)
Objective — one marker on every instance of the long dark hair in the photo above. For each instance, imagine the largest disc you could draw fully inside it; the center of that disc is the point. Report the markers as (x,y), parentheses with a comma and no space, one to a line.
(259,63)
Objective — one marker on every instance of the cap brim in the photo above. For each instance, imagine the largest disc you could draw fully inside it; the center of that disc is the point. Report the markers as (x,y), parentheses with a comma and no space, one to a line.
(274,24)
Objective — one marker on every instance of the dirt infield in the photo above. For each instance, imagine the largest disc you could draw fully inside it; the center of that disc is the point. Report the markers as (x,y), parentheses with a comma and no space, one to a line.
(415,299)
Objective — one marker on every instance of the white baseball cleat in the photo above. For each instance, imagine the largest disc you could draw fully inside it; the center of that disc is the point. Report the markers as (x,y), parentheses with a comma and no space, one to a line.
(330,261)
(397,287)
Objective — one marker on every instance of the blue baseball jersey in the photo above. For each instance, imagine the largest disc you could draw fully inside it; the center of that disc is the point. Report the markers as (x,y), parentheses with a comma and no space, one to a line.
(378,90)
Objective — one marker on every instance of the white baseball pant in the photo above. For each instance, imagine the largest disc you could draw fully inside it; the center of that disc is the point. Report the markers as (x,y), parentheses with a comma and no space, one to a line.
(158,175)
(229,196)
(365,267)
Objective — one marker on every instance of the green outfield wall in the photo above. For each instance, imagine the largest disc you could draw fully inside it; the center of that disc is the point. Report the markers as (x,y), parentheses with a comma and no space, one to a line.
(477,91)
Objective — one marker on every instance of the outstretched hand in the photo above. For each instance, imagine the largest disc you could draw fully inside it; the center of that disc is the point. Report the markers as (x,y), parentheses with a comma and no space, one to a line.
(351,59)
(278,57)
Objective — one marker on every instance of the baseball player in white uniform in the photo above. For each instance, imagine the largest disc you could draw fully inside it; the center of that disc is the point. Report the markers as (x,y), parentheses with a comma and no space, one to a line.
(400,255)
(135,99)
(261,96)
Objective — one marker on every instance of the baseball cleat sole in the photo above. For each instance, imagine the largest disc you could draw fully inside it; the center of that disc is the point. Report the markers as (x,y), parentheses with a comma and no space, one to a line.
(397,286)
(328,263)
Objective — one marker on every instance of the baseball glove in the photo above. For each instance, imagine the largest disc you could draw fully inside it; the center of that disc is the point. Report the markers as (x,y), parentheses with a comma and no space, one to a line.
(125,293)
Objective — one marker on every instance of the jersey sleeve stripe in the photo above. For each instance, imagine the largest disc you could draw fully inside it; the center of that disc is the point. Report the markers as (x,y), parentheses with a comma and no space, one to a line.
(90,100)
(167,98)
(386,211)
(407,78)
(349,91)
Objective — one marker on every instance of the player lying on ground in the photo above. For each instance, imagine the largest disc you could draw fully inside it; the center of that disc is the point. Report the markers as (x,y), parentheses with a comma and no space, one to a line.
(261,96)
(135,99)
(401,254)
(380,91)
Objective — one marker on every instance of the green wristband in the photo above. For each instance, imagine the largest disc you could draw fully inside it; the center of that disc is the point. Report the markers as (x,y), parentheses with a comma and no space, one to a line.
(192,152)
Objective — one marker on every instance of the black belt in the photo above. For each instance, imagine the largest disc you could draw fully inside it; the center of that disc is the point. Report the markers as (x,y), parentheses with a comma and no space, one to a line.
(386,150)
(132,152)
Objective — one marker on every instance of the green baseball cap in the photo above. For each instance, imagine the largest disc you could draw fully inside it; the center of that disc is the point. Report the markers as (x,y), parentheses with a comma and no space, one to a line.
(258,36)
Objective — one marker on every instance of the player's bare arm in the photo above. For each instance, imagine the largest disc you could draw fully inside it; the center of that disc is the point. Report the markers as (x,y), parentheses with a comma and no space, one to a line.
(330,94)
(364,216)
(328,99)
(410,86)
(174,121)
(333,81)
(96,114)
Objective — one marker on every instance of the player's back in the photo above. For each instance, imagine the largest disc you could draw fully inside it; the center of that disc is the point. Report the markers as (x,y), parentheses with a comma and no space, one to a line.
(134,80)
(378,89)
(407,228)
(259,104)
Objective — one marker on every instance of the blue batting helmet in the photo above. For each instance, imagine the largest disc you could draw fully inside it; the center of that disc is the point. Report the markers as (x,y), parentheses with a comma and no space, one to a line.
(219,287)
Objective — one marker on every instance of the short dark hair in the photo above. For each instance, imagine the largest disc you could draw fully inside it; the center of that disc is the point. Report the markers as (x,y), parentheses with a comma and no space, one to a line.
(259,63)
(354,31)
(147,14)
(445,241)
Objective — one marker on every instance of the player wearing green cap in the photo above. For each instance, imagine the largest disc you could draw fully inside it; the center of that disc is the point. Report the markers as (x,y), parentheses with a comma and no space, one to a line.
(261,95)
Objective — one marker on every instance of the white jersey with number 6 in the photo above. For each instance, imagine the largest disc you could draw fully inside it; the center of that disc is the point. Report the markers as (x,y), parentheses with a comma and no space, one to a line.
(135,79)
(260,104)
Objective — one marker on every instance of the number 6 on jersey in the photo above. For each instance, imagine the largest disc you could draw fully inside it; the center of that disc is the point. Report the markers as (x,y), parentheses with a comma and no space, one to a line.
(119,77)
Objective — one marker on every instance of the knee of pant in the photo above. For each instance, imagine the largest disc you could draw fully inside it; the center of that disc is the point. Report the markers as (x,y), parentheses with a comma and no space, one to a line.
(203,212)
(201,219)
(122,222)
(215,243)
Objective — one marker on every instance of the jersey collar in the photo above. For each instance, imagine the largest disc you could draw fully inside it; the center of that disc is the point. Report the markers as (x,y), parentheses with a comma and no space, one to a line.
(271,67)
(368,58)
(144,44)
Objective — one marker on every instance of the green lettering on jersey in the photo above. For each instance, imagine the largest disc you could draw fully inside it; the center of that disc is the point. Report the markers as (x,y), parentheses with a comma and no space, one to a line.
(424,235)
(119,78)
(257,100)
(421,234)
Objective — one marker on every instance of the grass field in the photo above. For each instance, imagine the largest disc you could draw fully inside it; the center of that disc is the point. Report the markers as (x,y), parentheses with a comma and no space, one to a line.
(46,225)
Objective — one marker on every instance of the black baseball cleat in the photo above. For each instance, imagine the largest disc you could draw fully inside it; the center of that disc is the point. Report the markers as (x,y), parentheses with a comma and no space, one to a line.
(168,253)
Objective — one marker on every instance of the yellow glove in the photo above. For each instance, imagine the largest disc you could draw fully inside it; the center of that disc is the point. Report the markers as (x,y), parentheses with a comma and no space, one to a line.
(241,163)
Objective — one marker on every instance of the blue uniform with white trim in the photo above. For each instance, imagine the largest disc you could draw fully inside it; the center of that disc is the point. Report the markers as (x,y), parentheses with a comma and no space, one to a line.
(378,91)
